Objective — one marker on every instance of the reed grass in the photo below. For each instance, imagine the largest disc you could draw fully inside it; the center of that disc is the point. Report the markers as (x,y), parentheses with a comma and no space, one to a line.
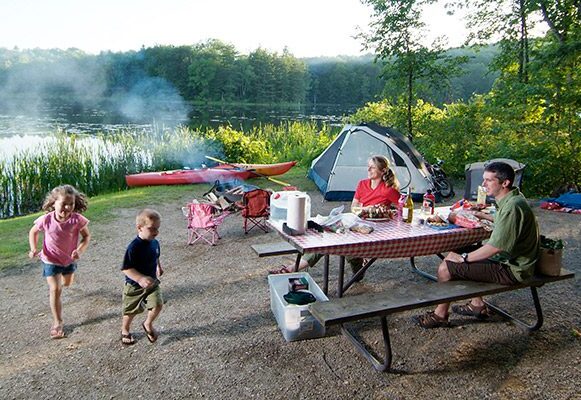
(98,164)
(300,141)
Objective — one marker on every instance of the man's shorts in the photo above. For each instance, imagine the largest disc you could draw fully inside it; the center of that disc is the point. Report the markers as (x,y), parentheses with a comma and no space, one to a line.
(481,271)
(136,299)
(52,269)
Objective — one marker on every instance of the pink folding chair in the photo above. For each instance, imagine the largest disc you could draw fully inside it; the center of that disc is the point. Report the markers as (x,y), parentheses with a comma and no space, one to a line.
(203,223)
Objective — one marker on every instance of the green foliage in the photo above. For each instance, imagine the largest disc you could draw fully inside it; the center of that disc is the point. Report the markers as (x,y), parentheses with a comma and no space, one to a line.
(238,147)
(479,130)
(532,112)
(214,71)
(299,141)
(100,166)
(397,34)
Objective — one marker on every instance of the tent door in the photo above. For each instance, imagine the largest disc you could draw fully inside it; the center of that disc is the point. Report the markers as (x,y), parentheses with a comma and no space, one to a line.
(351,162)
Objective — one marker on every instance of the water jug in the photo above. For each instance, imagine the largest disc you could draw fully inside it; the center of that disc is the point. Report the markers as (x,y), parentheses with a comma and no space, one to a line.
(279,204)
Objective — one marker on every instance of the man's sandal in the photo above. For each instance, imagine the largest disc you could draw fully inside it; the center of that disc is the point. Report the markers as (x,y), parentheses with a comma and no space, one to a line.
(470,310)
(430,320)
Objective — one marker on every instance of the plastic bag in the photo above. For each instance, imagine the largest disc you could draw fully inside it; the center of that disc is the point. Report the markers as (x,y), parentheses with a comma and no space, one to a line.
(337,221)
(464,219)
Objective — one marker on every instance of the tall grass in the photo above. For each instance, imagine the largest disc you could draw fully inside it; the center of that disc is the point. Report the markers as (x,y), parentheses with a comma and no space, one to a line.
(300,141)
(99,164)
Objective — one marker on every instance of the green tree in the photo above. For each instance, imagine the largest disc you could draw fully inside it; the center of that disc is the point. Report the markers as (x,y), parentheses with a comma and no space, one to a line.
(292,78)
(212,73)
(536,101)
(263,87)
(171,63)
(397,36)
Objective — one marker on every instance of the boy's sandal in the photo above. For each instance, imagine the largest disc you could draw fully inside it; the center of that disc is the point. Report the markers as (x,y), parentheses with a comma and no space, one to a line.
(283,269)
(472,311)
(430,320)
(127,339)
(151,335)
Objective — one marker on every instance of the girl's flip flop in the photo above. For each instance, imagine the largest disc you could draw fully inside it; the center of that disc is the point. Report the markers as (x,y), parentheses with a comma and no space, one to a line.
(56,333)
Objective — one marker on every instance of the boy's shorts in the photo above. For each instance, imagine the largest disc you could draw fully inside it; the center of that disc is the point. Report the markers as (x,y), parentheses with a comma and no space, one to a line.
(136,299)
(52,269)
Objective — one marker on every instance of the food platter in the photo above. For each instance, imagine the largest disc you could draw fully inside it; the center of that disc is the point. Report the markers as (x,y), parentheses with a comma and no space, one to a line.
(379,212)
(377,219)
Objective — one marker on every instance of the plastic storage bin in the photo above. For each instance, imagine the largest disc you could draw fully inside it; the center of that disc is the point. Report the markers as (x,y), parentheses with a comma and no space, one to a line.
(294,321)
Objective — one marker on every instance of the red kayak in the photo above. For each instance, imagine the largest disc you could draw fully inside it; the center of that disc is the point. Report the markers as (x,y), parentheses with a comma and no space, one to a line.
(262,169)
(187,176)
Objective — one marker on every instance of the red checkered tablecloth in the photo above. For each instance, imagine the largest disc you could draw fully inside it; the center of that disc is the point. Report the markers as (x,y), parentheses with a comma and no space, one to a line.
(389,239)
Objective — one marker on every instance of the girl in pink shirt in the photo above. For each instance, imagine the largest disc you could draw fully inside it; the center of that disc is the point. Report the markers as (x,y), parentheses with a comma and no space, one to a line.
(62,225)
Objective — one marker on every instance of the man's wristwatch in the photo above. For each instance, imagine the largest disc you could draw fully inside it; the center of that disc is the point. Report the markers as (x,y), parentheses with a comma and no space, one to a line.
(464,257)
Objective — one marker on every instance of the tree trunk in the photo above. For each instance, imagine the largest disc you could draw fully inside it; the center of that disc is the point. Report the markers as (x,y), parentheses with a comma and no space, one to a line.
(551,23)
(524,44)
(409,103)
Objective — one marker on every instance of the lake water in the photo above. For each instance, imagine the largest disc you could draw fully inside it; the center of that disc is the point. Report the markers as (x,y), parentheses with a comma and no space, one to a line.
(25,125)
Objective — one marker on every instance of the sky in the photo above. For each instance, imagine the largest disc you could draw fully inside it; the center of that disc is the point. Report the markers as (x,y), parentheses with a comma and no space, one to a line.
(308,28)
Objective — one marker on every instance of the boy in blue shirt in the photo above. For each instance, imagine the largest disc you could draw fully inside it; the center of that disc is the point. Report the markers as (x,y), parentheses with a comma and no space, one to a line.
(141,267)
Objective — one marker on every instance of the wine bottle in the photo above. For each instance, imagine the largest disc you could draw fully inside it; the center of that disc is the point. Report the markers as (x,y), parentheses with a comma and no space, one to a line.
(408,209)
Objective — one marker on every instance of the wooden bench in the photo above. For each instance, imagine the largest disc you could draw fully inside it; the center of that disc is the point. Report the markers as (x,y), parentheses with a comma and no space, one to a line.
(354,308)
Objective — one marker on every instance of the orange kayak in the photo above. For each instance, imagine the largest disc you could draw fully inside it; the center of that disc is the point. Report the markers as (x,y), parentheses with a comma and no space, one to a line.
(187,176)
(262,169)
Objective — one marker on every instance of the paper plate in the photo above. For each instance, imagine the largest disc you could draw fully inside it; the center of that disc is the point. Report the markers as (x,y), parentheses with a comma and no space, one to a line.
(441,228)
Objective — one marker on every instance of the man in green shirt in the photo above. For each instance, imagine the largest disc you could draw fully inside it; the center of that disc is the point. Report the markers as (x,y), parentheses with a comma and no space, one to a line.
(507,258)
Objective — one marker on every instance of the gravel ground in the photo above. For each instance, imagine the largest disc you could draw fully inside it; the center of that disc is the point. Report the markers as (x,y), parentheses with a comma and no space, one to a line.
(219,339)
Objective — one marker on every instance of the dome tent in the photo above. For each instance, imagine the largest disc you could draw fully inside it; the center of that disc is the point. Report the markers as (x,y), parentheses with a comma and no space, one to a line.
(474,172)
(343,163)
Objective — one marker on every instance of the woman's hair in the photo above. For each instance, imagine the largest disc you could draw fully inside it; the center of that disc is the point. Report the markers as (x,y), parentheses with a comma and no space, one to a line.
(388,177)
(81,202)
(145,215)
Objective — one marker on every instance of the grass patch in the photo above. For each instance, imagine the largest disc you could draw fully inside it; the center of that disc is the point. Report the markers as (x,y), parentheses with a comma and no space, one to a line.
(14,237)
(98,165)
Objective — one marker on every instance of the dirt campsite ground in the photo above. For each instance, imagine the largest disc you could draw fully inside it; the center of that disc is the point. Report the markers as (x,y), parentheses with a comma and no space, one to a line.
(219,340)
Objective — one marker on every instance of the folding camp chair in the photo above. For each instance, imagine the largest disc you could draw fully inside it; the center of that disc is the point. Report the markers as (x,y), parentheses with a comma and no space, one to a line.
(255,209)
(203,223)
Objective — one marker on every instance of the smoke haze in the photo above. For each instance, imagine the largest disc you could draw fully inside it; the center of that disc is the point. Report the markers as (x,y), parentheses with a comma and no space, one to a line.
(38,97)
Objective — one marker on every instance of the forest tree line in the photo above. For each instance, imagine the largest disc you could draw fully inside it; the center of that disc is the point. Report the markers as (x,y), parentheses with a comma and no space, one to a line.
(214,71)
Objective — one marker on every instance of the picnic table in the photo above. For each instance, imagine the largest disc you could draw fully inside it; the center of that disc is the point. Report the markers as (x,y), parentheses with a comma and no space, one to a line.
(396,239)
(389,239)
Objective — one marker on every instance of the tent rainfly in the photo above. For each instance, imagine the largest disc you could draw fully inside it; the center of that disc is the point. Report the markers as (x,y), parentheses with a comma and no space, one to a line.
(344,163)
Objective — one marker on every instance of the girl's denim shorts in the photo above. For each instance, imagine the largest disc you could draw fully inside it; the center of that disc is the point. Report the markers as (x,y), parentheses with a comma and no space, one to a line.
(51,269)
